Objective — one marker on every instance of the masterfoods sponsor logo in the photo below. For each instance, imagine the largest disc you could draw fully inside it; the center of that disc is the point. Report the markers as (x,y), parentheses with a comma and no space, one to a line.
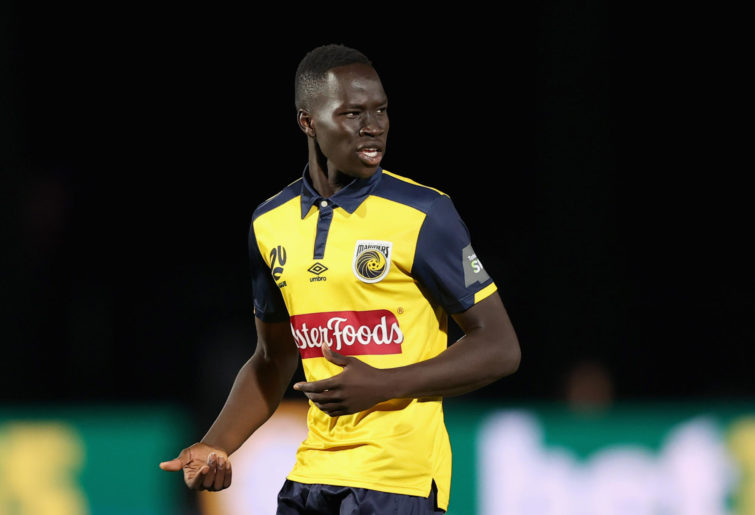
(348,332)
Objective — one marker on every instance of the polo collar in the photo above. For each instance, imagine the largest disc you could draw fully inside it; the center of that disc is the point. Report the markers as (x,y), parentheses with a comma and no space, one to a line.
(349,198)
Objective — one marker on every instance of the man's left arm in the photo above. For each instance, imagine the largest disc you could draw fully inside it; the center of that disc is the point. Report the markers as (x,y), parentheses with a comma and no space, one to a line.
(488,351)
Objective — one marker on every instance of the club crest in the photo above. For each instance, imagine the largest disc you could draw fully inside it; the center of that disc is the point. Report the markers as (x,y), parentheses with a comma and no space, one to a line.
(372,260)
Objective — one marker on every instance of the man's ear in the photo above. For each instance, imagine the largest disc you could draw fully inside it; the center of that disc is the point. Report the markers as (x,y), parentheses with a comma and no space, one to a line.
(306,123)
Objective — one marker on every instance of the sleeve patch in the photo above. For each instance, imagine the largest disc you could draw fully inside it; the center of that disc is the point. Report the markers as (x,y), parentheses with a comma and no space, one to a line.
(473,270)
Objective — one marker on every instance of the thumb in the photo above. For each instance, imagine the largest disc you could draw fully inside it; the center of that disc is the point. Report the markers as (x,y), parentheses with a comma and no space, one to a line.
(334,357)
(173,465)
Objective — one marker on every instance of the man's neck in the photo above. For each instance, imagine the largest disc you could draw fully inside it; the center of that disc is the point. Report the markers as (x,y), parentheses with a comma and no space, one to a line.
(326,182)
(321,182)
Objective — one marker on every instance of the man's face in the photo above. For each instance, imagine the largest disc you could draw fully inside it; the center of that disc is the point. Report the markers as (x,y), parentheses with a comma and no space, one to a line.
(350,120)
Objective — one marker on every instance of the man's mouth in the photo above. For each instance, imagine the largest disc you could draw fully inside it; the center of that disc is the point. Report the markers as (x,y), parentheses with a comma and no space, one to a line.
(370,155)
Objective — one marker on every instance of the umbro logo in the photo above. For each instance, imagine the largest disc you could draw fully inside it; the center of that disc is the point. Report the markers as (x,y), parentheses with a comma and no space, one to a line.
(317,269)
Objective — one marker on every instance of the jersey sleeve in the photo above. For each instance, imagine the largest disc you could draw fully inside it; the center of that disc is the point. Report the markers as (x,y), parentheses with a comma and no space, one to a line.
(268,301)
(444,262)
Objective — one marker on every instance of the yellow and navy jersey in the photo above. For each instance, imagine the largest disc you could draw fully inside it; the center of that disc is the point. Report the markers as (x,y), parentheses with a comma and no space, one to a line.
(374,271)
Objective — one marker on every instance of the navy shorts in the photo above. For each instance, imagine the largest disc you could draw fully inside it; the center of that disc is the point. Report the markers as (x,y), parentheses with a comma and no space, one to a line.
(304,499)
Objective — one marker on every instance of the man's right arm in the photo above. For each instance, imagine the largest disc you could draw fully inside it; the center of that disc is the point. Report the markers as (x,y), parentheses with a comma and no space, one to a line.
(258,388)
(255,395)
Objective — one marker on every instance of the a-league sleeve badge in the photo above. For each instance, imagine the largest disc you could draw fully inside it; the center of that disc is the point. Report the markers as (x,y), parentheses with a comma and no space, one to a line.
(372,260)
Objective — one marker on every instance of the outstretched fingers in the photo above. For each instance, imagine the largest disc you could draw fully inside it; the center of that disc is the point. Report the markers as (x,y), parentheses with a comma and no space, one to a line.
(212,472)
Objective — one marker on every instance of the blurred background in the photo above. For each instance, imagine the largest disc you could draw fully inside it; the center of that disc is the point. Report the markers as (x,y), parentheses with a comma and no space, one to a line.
(593,151)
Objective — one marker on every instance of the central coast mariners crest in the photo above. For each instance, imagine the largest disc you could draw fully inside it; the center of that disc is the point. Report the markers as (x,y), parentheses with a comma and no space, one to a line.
(372,260)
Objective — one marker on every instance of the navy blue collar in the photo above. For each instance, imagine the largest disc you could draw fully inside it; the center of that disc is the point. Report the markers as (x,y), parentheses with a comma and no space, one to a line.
(348,198)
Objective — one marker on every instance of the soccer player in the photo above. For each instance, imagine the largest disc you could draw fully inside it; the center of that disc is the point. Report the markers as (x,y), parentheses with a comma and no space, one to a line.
(355,270)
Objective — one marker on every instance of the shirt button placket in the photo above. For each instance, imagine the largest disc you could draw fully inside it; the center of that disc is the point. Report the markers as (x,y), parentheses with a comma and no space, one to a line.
(323,225)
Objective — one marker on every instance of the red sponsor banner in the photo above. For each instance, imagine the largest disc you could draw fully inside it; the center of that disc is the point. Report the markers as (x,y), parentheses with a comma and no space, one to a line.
(352,333)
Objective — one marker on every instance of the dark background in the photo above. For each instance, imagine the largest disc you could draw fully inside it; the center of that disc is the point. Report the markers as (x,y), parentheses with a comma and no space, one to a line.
(590,150)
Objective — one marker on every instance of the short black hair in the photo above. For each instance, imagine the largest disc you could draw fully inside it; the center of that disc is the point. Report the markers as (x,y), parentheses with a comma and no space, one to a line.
(314,67)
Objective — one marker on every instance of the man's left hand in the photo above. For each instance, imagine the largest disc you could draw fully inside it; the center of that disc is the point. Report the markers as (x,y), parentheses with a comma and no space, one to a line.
(357,388)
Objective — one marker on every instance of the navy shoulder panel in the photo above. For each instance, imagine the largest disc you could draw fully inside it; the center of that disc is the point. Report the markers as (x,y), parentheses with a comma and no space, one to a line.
(398,189)
(291,191)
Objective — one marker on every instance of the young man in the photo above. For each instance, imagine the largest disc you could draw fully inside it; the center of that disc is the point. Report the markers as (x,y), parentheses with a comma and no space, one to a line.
(355,269)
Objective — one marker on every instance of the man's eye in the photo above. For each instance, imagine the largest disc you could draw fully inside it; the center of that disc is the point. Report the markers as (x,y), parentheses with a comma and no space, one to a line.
(352,114)
(382,110)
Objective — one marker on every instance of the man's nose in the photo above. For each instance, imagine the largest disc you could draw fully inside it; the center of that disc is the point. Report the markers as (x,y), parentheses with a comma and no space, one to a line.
(373,126)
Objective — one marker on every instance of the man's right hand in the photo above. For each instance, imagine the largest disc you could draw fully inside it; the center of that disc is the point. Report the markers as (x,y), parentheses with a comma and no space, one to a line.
(205,468)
